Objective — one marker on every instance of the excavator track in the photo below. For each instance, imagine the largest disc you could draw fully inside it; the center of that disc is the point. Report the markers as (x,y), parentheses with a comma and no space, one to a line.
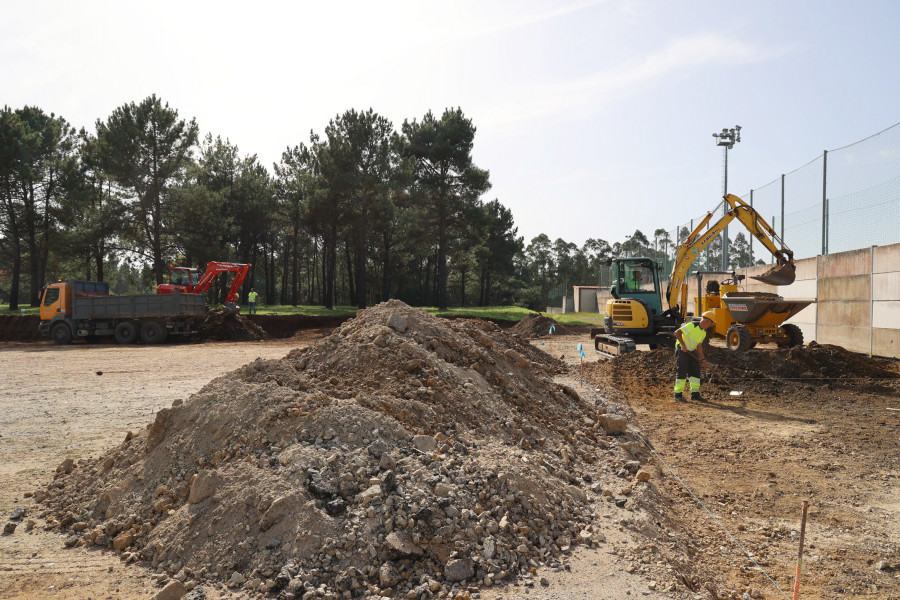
(613,345)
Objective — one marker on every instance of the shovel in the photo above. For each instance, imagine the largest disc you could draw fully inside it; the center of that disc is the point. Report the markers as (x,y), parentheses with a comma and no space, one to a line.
(717,374)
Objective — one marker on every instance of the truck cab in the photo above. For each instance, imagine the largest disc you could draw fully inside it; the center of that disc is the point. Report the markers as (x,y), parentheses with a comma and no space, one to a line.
(56,299)
(57,305)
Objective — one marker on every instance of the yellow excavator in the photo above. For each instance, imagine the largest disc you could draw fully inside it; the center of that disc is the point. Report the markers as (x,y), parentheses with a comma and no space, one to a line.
(634,315)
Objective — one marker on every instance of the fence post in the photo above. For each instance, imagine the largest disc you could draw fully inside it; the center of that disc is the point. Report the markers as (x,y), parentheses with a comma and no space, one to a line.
(871,300)
(782,206)
(751,236)
(824,202)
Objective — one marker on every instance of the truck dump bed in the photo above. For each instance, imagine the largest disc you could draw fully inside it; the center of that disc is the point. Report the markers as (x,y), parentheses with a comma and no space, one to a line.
(749,307)
(140,306)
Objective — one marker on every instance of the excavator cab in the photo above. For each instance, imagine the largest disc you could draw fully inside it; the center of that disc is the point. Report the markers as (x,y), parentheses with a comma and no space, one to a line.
(183,277)
(636,294)
(634,315)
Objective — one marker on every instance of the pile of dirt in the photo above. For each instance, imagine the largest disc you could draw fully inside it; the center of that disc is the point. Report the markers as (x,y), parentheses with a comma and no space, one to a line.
(402,456)
(232,327)
(20,328)
(536,325)
(771,371)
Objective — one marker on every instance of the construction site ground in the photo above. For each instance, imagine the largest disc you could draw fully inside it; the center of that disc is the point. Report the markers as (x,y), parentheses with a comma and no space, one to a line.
(719,517)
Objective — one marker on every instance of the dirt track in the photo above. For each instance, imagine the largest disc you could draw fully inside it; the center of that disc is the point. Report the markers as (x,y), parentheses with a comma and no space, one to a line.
(751,460)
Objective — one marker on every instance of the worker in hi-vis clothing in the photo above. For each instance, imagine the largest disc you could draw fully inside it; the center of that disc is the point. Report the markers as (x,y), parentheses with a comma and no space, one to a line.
(251,298)
(636,281)
(689,355)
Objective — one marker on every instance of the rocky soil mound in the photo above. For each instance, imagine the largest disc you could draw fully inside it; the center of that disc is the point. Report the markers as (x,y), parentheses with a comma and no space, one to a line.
(234,328)
(402,456)
(536,325)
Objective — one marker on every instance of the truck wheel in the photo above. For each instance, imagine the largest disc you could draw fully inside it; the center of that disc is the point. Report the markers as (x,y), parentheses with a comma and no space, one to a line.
(61,334)
(794,334)
(153,332)
(737,338)
(126,332)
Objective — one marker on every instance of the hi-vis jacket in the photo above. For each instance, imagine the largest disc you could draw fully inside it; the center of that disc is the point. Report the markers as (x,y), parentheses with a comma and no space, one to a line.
(693,335)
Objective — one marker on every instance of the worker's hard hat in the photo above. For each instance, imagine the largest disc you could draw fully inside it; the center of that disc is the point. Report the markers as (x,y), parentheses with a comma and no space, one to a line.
(711,315)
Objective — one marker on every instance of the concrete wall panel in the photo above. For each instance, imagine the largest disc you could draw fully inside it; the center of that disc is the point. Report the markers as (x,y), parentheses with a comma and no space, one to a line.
(886,286)
(805,316)
(854,339)
(845,288)
(886,315)
(886,259)
(807,268)
(845,314)
(844,264)
(807,288)
(886,342)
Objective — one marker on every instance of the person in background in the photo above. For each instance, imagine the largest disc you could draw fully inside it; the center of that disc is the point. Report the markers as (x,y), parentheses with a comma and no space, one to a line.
(251,298)
(689,355)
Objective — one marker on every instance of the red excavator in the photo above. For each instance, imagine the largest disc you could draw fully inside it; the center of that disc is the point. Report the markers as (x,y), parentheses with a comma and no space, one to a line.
(193,281)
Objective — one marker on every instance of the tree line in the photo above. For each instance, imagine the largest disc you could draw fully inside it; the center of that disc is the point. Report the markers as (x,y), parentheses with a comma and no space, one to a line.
(357,214)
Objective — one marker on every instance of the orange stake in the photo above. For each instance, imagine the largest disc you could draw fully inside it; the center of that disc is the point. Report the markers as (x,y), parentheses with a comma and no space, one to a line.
(800,553)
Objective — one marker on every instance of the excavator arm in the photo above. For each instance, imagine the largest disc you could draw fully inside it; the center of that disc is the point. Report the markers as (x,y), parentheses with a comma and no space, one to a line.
(783,273)
(214,269)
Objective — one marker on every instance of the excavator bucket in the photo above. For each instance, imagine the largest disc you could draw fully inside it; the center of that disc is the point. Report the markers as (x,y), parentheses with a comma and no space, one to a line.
(778,275)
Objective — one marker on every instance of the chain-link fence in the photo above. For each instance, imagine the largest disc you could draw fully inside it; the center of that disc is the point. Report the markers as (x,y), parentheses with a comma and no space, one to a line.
(845,199)
(556,297)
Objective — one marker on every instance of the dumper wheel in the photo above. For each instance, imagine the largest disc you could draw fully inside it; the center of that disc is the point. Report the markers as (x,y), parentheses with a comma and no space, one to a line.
(737,338)
(61,334)
(153,332)
(794,334)
(126,332)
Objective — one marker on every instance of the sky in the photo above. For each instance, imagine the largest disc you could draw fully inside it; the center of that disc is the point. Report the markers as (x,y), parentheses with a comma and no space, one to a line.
(594,118)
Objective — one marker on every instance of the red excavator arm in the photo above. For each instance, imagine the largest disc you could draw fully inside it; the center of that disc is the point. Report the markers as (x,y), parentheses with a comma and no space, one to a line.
(199,286)
(214,269)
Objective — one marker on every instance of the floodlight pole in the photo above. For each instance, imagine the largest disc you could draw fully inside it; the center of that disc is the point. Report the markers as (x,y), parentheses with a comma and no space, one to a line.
(727,139)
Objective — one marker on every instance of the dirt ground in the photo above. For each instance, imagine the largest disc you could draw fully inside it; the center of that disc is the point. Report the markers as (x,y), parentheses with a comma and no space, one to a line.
(77,401)
(815,424)
(729,475)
